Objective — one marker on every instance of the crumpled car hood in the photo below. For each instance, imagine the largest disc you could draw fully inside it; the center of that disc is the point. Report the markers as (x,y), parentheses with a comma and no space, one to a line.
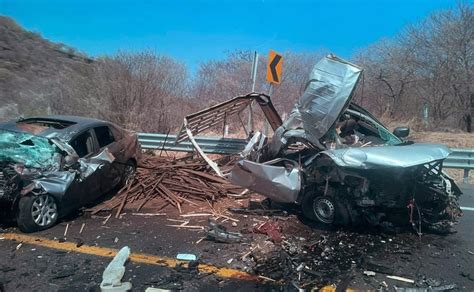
(327,95)
(388,156)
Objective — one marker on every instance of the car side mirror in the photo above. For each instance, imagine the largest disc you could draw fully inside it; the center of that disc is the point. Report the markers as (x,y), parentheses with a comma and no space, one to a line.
(401,132)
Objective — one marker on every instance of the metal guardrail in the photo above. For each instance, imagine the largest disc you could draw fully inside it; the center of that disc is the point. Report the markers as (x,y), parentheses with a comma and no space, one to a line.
(461,159)
(211,145)
(458,159)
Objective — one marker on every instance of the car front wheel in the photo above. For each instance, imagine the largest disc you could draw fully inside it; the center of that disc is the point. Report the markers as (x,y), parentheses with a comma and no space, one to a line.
(37,212)
(319,208)
(324,209)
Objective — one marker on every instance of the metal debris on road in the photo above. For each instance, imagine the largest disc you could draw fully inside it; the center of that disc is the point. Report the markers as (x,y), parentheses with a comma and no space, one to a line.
(219,233)
(430,289)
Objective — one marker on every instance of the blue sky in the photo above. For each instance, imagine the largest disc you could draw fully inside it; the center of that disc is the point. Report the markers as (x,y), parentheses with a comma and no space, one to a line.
(195,31)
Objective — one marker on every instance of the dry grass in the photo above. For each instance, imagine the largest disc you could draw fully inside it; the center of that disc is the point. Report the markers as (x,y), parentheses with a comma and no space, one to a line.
(453,140)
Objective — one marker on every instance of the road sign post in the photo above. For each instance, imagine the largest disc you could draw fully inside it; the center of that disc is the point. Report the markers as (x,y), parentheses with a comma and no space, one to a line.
(274,70)
(254,70)
(253,76)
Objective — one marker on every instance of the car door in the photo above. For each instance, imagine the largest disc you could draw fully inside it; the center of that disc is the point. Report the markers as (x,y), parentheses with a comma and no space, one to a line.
(84,188)
(110,173)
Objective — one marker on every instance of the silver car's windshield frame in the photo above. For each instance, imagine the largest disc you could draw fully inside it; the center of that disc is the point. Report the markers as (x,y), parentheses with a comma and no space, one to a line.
(377,124)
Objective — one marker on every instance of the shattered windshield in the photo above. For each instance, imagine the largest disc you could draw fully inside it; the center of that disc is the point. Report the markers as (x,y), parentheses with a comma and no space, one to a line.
(388,137)
(32,151)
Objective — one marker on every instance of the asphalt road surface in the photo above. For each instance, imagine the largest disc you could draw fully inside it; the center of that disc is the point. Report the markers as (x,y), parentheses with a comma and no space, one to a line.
(52,261)
(466,226)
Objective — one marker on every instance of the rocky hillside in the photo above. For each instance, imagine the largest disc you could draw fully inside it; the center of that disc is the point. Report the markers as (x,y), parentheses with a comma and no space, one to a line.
(31,68)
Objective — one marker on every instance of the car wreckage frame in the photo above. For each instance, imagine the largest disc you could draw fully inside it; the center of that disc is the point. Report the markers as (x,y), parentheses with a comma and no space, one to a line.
(336,160)
(51,165)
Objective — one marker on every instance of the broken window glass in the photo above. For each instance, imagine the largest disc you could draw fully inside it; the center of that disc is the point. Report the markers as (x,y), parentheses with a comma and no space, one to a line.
(32,151)
(104,136)
(83,144)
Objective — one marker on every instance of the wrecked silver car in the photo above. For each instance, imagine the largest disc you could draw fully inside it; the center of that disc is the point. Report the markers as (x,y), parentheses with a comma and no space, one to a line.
(52,165)
(338,162)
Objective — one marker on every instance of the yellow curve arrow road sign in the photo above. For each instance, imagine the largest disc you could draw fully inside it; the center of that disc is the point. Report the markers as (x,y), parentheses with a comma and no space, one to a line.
(275,62)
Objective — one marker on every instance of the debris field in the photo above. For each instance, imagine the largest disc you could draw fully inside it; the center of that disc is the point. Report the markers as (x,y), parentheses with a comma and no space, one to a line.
(169,181)
(263,239)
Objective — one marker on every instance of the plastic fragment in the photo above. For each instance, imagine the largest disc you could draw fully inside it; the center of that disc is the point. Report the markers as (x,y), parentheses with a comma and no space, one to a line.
(186,257)
(369,273)
(112,276)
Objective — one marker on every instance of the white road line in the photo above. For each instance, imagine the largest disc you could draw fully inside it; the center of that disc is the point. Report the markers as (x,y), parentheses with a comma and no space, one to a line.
(467,208)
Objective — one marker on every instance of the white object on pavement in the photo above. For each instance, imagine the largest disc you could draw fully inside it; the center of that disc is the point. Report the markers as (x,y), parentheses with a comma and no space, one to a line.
(112,276)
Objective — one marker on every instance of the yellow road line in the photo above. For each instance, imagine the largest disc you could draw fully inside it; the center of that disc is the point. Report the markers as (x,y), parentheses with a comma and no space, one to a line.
(138,257)
(134,257)
(332,288)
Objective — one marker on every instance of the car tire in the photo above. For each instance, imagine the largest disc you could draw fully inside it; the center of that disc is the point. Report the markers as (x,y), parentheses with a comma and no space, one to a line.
(37,212)
(319,208)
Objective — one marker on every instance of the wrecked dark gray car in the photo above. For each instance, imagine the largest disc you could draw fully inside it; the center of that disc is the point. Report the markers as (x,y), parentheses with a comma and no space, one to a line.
(52,165)
(338,161)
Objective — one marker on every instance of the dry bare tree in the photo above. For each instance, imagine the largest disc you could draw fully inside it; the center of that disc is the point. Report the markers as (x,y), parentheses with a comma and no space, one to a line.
(142,91)
(428,64)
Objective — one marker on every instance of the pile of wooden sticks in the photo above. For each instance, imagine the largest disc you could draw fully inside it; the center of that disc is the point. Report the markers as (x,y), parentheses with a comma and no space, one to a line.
(173,181)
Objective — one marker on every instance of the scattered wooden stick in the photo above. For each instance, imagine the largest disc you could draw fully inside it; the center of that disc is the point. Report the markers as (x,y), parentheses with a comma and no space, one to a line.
(82,228)
(200,239)
(406,280)
(149,214)
(106,219)
(196,215)
(266,278)
(65,230)
(187,226)
(174,181)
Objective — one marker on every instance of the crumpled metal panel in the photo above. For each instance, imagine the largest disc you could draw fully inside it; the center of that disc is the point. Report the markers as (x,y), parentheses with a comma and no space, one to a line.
(198,122)
(89,166)
(58,182)
(388,156)
(55,183)
(275,182)
(327,95)
(195,123)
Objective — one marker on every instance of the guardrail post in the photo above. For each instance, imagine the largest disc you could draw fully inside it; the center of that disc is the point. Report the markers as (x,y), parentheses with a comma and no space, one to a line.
(466,176)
